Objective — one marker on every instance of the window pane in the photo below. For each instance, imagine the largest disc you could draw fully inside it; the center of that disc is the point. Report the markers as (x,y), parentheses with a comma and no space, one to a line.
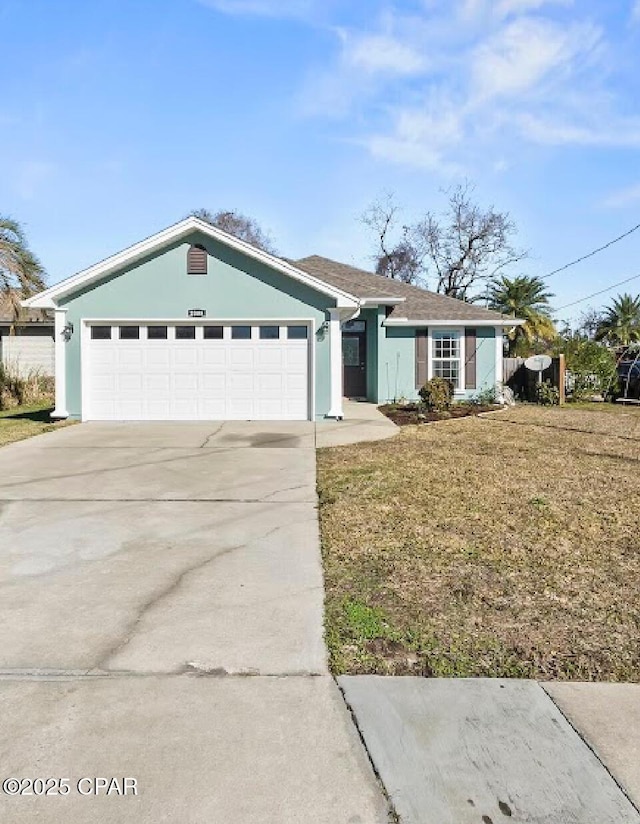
(213,332)
(449,369)
(269,332)
(185,332)
(446,346)
(297,332)
(157,332)
(129,332)
(354,326)
(241,332)
(100,333)
(351,351)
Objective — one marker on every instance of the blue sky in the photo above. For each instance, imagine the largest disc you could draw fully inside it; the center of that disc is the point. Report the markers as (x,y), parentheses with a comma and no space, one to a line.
(118,117)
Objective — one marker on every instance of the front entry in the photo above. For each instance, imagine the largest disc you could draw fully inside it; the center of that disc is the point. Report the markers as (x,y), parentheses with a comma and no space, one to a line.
(354,359)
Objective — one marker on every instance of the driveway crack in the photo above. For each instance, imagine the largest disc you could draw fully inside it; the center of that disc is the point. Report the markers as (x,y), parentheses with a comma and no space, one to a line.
(212,435)
(156,599)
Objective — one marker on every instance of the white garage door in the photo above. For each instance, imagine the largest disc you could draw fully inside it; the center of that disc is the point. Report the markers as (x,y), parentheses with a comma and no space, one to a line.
(145,371)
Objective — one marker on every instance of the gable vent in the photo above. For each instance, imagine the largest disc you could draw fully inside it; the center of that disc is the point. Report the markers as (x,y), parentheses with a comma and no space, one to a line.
(197,260)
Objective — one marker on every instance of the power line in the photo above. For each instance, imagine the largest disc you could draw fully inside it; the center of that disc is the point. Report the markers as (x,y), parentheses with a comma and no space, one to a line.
(591,254)
(595,294)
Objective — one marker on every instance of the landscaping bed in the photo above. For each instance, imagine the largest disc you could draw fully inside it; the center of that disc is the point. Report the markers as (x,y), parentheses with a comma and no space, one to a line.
(497,546)
(413,413)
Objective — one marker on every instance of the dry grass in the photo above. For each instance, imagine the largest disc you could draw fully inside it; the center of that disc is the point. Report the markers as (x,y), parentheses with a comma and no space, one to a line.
(500,546)
(25,421)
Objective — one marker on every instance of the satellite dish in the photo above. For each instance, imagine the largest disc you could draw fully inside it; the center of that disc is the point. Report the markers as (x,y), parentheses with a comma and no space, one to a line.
(538,363)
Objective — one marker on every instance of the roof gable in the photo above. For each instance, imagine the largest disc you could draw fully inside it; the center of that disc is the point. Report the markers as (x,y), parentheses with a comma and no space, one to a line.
(49,297)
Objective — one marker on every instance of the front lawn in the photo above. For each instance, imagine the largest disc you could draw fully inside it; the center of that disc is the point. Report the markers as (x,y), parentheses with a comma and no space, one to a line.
(507,545)
(25,421)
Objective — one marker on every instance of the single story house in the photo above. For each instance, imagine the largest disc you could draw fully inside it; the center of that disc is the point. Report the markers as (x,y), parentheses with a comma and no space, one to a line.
(194,324)
(26,345)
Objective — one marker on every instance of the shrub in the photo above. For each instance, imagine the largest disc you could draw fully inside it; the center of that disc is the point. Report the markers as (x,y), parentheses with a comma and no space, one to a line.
(592,366)
(437,394)
(17,389)
(486,397)
(547,394)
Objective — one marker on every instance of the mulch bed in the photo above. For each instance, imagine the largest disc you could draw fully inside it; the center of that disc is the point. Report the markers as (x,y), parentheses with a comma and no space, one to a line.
(411,414)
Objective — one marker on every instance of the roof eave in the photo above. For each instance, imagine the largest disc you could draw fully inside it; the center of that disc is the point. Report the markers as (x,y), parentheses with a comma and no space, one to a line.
(382,301)
(504,322)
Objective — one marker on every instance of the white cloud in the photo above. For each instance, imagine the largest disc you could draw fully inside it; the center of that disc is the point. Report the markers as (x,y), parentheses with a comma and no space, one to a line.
(262,8)
(525,52)
(508,7)
(446,89)
(615,133)
(623,197)
(423,137)
(382,53)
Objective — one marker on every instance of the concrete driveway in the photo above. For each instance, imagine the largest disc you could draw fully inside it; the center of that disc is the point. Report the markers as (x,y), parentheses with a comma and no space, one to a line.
(161,619)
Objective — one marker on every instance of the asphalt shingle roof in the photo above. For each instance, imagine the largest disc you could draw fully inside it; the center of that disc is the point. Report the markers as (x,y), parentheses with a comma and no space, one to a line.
(419,304)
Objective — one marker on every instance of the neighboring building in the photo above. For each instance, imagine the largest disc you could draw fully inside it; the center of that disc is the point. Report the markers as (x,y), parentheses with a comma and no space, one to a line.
(194,324)
(26,346)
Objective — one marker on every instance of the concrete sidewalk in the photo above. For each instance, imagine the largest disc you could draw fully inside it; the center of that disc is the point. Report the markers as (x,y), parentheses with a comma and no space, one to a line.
(481,751)
(362,423)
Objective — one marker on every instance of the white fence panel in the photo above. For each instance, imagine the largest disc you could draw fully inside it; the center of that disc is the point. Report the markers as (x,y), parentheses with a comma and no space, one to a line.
(28,353)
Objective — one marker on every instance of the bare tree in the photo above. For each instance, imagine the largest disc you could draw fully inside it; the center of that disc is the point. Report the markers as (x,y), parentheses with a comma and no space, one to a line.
(239,225)
(401,259)
(589,322)
(463,245)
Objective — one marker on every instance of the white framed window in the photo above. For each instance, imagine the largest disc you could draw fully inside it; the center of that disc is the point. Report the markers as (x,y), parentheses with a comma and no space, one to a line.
(446,356)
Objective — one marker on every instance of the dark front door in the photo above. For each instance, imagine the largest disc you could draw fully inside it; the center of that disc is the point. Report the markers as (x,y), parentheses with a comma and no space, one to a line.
(354,359)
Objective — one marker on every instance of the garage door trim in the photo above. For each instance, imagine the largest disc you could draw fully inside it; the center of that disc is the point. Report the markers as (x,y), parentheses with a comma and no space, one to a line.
(85,349)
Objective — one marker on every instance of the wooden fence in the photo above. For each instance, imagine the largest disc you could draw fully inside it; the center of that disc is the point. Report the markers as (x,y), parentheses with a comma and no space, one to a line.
(523,382)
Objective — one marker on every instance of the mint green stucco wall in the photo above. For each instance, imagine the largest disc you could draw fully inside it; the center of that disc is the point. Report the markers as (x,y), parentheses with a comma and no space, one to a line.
(235,287)
(391,357)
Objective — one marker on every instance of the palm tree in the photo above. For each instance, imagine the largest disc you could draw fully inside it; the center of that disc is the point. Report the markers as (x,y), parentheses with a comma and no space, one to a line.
(523,297)
(621,322)
(21,273)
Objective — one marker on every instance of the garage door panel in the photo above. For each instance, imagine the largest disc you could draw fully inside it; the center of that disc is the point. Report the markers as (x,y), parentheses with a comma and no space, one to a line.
(240,384)
(270,356)
(239,409)
(241,357)
(157,409)
(270,384)
(130,358)
(296,357)
(131,382)
(197,379)
(157,357)
(158,383)
(213,409)
(185,356)
(101,356)
(185,382)
(101,383)
(213,356)
(214,384)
